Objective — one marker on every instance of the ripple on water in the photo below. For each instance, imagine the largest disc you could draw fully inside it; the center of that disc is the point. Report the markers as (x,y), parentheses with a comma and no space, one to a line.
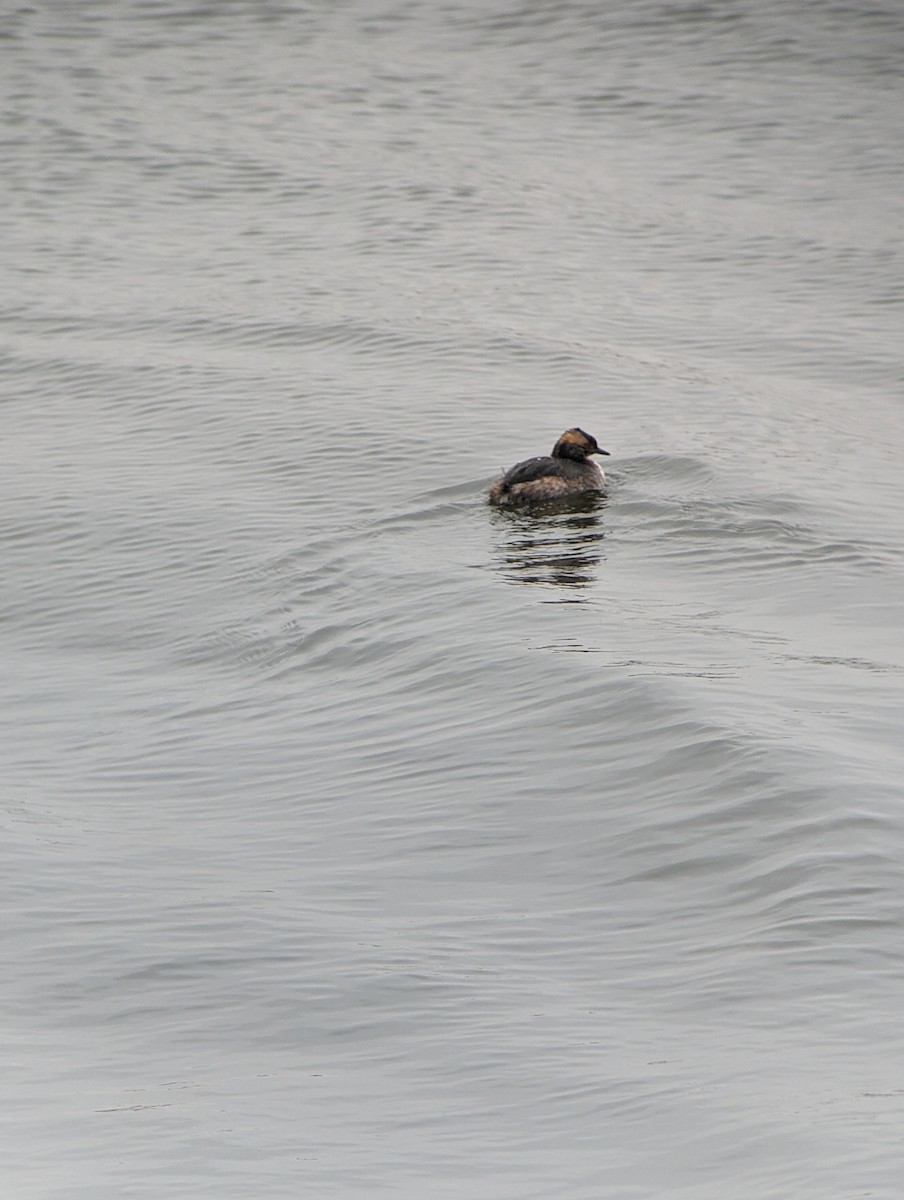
(671,508)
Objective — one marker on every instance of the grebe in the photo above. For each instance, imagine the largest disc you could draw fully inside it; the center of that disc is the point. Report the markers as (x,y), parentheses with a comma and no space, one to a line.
(566,472)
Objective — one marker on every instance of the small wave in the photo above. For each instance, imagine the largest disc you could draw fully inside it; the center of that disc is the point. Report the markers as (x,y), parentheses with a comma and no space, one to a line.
(668,503)
(663,471)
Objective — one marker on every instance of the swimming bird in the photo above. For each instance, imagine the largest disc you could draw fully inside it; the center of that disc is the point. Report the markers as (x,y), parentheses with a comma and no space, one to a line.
(565,472)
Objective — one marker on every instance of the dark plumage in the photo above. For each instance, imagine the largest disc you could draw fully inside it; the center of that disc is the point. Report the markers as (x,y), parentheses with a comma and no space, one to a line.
(566,472)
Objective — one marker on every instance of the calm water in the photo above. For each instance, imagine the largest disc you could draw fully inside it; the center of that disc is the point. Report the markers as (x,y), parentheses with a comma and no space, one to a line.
(359,839)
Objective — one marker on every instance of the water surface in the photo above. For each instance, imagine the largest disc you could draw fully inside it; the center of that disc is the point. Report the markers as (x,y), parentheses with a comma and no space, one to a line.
(361,839)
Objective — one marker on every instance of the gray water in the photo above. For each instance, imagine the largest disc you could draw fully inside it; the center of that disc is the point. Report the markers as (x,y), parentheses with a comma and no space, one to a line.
(360,839)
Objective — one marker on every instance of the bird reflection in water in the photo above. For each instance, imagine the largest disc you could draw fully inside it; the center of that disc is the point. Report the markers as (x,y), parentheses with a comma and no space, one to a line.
(556,545)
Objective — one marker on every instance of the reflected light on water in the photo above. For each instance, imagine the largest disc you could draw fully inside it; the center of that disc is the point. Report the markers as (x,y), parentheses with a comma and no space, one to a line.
(556,546)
